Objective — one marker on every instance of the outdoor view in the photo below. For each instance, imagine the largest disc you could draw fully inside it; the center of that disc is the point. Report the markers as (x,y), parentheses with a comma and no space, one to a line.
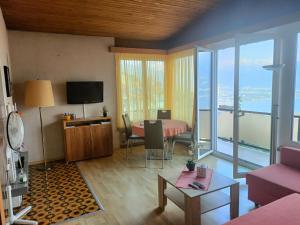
(204,99)
(255,101)
(296,121)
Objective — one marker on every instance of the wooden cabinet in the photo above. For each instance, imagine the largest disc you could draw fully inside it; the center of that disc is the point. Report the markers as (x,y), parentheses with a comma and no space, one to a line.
(78,143)
(88,138)
(99,134)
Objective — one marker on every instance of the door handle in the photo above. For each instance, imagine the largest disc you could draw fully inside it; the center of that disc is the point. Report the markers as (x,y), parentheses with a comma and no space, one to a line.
(240,114)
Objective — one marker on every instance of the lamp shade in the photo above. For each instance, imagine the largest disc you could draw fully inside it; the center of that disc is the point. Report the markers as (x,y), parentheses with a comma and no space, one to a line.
(38,93)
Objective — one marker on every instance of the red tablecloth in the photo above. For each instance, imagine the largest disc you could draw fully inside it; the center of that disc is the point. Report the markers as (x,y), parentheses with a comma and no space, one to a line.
(170,127)
(188,177)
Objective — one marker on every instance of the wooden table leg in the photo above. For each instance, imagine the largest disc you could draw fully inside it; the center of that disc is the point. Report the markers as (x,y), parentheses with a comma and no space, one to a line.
(162,199)
(234,200)
(192,210)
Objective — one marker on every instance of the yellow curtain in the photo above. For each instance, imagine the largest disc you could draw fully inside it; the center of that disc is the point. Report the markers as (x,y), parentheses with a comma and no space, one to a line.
(180,85)
(140,85)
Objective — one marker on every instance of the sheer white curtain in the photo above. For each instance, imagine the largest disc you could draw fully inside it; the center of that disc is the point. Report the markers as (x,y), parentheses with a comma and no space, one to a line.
(140,85)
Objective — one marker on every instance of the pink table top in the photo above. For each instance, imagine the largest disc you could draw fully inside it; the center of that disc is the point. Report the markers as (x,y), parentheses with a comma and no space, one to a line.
(170,128)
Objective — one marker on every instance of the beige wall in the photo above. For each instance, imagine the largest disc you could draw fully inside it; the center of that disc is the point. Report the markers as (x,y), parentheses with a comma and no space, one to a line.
(59,58)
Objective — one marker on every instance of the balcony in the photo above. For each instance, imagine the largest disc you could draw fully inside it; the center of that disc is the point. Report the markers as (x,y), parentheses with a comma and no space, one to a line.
(296,128)
(254,134)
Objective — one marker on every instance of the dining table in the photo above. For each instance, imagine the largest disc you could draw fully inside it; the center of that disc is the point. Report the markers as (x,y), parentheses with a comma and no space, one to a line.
(171,128)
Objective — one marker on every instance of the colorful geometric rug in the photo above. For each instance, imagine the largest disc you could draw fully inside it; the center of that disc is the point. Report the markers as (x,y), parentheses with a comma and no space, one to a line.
(66,196)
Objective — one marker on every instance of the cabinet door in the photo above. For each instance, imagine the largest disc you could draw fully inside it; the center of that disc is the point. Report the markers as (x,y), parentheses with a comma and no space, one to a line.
(101,140)
(78,143)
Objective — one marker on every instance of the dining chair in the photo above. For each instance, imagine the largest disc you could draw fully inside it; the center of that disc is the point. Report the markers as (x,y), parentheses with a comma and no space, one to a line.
(154,138)
(163,114)
(186,137)
(130,137)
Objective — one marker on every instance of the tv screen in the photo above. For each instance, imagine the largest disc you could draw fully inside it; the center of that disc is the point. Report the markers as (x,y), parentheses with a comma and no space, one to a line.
(83,92)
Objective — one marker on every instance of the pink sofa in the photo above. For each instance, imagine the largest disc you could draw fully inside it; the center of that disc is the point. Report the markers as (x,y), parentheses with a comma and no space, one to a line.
(284,211)
(268,184)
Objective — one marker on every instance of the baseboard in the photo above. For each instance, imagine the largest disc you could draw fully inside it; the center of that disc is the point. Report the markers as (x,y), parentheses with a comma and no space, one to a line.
(42,161)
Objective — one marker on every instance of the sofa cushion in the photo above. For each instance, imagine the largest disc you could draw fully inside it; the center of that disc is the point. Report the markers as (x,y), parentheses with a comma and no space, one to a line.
(283,211)
(290,156)
(272,182)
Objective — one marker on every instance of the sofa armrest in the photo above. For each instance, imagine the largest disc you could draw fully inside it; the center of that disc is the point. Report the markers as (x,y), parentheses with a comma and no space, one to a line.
(290,156)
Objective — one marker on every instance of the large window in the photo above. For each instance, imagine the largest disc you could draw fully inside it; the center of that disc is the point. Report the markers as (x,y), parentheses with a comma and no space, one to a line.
(146,83)
(296,116)
(141,86)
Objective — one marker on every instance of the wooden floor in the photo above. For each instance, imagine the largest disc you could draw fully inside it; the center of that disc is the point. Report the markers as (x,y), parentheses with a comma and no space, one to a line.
(128,191)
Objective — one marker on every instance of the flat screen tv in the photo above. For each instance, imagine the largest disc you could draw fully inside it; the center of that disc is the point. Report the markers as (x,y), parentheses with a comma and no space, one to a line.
(84,92)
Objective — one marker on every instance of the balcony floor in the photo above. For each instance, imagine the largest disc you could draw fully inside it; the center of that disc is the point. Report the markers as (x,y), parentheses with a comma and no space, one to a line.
(246,153)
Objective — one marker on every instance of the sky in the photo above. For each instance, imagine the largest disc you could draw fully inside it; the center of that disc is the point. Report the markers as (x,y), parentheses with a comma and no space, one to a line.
(255,83)
(297,84)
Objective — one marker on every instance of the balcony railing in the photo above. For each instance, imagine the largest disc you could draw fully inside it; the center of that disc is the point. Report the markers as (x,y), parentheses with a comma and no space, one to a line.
(296,128)
(254,127)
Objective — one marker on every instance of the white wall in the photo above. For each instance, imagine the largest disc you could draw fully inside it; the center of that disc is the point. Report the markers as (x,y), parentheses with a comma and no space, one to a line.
(4,101)
(287,89)
(59,58)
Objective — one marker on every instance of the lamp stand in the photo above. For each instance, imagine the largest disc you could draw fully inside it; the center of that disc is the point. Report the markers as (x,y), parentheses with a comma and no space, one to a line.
(45,168)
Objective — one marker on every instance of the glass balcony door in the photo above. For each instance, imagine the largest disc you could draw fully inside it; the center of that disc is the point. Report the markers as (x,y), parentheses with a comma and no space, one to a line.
(225,101)
(254,105)
(204,101)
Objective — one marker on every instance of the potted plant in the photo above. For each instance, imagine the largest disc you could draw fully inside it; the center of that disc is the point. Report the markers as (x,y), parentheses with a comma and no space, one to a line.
(190,165)
(105,111)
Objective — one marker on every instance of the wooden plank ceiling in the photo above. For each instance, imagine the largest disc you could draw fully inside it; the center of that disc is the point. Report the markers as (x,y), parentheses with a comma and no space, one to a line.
(127,19)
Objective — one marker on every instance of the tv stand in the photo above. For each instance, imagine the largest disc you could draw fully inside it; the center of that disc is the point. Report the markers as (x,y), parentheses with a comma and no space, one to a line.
(87,138)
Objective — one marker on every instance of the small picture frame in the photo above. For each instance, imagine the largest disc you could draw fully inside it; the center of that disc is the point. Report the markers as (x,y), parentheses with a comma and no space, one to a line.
(8,85)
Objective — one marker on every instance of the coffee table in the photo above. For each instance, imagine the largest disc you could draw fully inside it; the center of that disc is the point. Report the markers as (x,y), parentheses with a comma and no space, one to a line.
(196,202)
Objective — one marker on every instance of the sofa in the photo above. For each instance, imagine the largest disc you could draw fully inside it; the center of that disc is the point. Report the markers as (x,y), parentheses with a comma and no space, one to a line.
(284,211)
(270,183)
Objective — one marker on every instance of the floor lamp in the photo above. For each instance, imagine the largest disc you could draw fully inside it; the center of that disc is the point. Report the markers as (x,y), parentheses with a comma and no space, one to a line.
(38,93)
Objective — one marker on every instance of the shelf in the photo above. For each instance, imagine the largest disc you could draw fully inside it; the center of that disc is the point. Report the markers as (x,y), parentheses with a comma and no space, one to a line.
(208,203)
(86,122)
(18,188)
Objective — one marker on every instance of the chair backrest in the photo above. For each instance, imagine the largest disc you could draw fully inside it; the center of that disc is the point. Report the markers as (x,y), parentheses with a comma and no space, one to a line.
(154,138)
(163,114)
(127,125)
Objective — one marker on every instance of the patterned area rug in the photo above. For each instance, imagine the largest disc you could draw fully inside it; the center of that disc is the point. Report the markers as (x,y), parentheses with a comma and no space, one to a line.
(66,196)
